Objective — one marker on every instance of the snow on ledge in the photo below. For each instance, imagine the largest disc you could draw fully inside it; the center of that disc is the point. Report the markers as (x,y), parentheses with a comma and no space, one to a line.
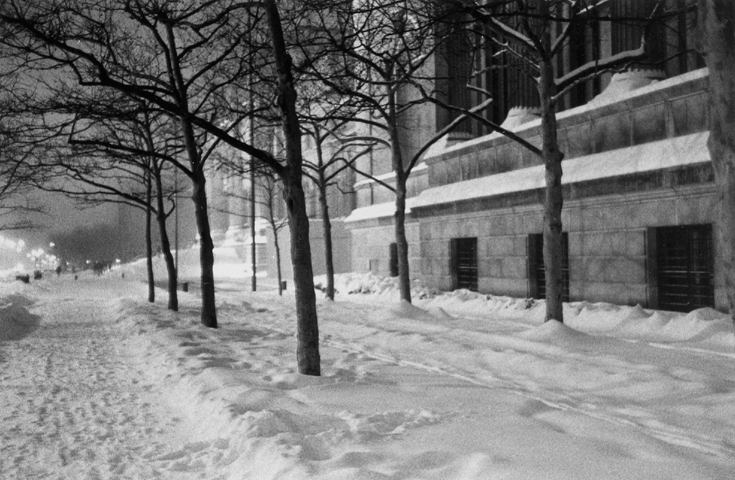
(389,177)
(660,155)
(379,210)
(587,108)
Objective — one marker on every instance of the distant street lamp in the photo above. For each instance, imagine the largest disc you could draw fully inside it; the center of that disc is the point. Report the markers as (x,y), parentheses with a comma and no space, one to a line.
(36,255)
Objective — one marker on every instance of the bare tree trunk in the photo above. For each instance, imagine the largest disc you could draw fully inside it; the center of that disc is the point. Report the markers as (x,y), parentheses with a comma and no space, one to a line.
(404,280)
(279,272)
(307,331)
(717,35)
(276,244)
(199,194)
(206,245)
(206,249)
(269,196)
(328,248)
(327,224)
(173,295)
(404,274)
(253,246)
(307,351)
(148,237)
(553,200)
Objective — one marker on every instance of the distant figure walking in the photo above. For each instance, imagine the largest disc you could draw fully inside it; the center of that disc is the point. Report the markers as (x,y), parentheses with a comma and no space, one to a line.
(58,271)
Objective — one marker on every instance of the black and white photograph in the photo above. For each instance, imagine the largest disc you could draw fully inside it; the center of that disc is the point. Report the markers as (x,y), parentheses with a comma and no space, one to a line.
(367,240)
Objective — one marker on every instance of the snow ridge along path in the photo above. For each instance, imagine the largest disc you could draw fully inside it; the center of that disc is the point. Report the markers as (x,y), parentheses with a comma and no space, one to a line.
(75,405)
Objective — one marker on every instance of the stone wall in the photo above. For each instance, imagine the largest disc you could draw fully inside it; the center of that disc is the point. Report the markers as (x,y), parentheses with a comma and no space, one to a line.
(607,239)
(607,243)
(607,219)
(501,244)
(371,241)
(341,246)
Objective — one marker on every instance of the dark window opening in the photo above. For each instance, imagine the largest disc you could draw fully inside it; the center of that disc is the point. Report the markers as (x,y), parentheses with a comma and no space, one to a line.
(475,58)
(671,38)
(464,263)
(584,47)
(684,272)
(459,69)
(537,270)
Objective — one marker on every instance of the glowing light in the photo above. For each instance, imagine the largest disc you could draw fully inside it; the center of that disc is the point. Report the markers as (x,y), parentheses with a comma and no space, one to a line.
(16,245)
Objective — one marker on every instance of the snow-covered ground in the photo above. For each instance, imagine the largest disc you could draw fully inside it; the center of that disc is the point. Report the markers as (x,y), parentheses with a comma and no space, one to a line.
(95,383)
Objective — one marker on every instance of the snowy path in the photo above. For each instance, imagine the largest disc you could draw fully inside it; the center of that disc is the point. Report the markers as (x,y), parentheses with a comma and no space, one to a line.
(634,386)
(74,404)
(96,383)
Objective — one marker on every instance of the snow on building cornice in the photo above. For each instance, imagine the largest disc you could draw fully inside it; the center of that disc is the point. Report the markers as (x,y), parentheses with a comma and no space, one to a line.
(647,157)
(586,109)
(379,210)
(389,177)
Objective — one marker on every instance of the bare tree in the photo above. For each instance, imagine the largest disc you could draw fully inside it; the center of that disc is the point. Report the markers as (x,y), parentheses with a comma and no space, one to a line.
(373,57)
(149,236)
(291,175)
(110,177)
(324,171)
(115,150)
(15,179)
(186,59)
(269,186)
(16,154)
(155,170)
(265,191)
(533,35)
(717,35)
(168,55)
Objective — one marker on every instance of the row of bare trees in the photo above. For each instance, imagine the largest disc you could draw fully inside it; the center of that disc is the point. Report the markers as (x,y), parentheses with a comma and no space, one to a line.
(134,89)
(378,58)
(15,169)
(185,63)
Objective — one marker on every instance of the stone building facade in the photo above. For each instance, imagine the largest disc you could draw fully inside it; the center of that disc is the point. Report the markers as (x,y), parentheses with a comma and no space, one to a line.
(637,173)
(636,167)
(640,203)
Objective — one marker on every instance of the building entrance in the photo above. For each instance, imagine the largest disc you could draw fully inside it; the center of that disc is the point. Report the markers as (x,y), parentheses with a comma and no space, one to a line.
(464,263)
(684,257)
(537,271)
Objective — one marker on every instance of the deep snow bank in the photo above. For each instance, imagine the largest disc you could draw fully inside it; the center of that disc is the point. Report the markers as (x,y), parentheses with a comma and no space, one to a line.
(705,324)
(453,387)
(16,321)
(248,409)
